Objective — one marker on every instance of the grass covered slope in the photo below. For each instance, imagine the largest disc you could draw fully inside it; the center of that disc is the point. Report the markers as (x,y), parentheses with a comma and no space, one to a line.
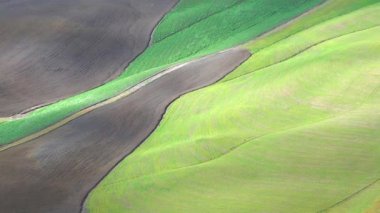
(294,45)
(206,29)
(298,136)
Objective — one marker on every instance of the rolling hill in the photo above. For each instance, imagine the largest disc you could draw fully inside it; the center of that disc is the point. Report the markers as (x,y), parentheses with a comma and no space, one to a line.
(294,129)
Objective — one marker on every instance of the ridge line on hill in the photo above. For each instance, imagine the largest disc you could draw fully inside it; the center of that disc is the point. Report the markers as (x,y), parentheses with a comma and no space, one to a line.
(245,141)
(349,197)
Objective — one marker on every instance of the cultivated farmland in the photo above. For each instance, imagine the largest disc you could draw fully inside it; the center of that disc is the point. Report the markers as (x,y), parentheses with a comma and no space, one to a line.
(223,106)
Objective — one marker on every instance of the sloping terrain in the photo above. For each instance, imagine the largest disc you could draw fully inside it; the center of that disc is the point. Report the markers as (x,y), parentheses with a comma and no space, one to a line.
(53,173)
(47,45)
(294,129)
(217,31)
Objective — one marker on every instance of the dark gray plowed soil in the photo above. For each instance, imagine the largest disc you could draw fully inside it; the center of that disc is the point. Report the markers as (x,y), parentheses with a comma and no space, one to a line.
(51,49)
(54,173)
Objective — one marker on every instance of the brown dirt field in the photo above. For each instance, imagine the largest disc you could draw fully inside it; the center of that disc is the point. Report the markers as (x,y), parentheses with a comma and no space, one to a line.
(52,49)
(55,172)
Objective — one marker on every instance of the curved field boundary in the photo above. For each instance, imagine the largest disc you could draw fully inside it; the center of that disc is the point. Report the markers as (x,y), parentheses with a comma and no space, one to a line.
(46,47)
(104,103)
(54,172)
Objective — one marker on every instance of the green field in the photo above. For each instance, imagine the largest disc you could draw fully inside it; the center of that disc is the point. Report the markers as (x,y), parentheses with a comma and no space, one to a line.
(198,32)
(294,129)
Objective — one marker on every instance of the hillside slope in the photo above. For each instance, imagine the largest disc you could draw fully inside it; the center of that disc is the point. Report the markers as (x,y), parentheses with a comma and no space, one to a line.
(294,129)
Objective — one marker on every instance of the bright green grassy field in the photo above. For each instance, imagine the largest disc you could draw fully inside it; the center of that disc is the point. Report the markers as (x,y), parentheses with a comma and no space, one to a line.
(201,31)
(294,129)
